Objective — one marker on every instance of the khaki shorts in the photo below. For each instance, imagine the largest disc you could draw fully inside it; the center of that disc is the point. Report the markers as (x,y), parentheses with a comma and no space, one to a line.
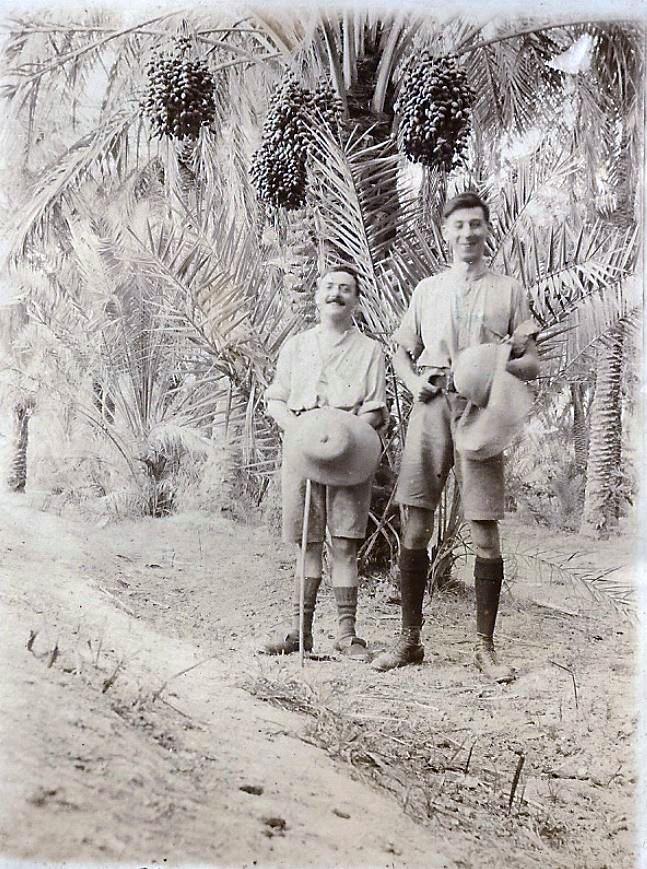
(429,455)
(343,509)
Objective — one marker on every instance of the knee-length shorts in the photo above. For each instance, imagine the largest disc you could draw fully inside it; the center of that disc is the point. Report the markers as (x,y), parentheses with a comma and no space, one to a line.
(429,455)
(342,509)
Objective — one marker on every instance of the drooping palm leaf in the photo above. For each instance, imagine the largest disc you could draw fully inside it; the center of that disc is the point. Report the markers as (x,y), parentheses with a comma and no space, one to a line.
(101,151)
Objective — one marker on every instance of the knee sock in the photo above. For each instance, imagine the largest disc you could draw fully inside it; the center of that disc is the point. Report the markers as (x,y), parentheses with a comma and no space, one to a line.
(414,567)
(488,578)
(312,584)
(346,597)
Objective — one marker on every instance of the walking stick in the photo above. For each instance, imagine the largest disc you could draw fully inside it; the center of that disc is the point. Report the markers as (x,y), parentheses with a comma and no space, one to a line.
(302,568)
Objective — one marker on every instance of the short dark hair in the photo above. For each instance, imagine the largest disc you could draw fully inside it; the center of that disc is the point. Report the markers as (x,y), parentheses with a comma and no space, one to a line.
(348,270)
(469,199)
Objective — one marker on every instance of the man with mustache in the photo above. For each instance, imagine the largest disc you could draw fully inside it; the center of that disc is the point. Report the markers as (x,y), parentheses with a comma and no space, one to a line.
(332,365)
(466,305)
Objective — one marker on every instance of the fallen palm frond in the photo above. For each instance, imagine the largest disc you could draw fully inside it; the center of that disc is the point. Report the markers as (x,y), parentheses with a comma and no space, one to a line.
(579,572)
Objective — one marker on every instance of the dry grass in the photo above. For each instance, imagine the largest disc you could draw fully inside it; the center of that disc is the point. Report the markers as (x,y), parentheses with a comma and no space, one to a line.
(390,744)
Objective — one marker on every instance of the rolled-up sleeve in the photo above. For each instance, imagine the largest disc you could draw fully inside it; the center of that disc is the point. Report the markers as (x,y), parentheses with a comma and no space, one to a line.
(375,397)
(408,335)
(280,387)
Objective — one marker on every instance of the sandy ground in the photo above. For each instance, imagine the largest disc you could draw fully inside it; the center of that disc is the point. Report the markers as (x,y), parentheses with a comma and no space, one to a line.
(132,728)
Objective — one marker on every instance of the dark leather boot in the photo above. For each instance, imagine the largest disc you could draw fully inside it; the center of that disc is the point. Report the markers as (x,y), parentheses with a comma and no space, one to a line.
(407,650)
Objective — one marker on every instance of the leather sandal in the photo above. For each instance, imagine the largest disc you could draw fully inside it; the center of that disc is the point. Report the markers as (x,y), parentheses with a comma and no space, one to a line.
(353,647)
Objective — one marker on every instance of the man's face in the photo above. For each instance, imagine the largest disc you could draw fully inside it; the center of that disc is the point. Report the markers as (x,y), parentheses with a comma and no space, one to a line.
(336,297)
(466,232)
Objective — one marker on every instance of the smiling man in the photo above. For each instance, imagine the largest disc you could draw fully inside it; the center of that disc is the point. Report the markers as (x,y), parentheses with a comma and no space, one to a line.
(466,305)
(331,365)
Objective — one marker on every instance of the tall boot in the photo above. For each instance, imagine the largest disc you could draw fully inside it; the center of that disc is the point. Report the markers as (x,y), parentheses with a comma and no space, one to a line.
(414,567)
(285,644)
(347,640)
(488,578)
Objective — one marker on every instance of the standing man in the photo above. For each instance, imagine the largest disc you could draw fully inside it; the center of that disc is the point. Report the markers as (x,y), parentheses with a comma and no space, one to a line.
(331,365)
(466,305)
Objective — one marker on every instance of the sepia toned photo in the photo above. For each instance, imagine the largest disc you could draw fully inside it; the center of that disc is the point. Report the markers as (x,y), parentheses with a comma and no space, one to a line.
(322,436)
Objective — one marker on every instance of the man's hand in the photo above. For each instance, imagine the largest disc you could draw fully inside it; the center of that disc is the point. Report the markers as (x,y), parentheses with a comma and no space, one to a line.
(418,384)
(421,387)
(280,413)
(526,366)
(518,344)
(375,418)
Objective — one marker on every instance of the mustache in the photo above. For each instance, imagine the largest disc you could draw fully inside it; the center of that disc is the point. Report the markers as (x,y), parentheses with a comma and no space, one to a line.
(336,299)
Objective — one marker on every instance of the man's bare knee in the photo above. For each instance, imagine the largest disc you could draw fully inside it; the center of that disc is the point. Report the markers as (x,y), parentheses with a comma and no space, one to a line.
(419,528)
(344,547)
(485,538)
(313,560)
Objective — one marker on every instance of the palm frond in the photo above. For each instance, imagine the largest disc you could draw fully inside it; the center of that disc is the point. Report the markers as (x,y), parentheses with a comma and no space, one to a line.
(398,36)
(93,153)
(618,60)
(29,74)
(512,210)
(579,285)
(575,569)
(417,254)
(571,267)
(357,207)
(515,79)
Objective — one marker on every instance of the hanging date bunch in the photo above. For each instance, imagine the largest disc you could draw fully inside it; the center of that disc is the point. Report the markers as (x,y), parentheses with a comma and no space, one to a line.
(279,167)
(434,106)
(326,106)
(180,93)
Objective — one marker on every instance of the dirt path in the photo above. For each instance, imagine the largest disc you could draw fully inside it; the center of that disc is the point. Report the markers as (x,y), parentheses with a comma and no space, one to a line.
(94,772)
(109,754)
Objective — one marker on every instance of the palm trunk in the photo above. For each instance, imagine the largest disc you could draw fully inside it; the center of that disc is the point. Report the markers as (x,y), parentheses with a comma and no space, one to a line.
(580,440)
(580,435)
(22,411)
(161,496)
(601,502)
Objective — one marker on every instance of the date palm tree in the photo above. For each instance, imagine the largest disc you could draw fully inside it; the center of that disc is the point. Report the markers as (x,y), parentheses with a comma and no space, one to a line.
(358,200)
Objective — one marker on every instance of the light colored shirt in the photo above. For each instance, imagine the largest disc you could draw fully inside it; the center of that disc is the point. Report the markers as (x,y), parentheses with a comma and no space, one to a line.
(454,310)
(349,374)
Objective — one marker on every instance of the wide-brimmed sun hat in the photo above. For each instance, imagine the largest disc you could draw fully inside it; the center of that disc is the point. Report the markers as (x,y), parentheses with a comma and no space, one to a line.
(332,446)
(498,401)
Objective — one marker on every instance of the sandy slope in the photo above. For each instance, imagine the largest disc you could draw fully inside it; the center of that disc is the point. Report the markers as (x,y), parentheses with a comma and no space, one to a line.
(88,775)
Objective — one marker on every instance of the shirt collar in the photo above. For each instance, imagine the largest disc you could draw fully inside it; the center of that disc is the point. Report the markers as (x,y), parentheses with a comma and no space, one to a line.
(468,271)
(338,338)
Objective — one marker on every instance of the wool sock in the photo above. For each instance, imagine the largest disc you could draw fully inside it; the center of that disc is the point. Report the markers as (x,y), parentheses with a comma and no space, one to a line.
(346,597)
(488,578)
(414,567)
(311,587)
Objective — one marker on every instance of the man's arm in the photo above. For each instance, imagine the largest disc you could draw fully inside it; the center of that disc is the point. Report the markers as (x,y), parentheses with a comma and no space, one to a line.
(373,410)
(417,384)
(280,413)
(526,366)
(278,392)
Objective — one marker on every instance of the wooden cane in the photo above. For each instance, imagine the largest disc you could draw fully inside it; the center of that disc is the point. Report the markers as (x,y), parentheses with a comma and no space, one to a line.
(302,569)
